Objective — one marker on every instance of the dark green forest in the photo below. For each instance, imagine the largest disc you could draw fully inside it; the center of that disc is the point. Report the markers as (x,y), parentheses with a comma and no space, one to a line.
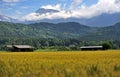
(59,35)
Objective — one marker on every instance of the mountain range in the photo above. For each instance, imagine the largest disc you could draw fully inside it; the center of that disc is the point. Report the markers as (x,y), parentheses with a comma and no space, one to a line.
(102,20)
(8,19)
(61,30)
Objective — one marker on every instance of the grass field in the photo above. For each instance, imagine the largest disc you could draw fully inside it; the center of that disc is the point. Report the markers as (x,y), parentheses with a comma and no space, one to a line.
(60,64)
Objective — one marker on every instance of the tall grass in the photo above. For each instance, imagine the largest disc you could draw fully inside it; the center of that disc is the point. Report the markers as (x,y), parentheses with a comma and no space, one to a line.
(60,64)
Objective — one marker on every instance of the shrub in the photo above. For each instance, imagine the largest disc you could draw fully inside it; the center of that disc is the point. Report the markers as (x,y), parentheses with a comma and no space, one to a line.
(106,46)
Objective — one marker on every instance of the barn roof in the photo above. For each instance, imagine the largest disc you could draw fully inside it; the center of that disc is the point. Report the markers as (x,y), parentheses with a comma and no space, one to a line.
(91,47)
(22,46)
(9,46)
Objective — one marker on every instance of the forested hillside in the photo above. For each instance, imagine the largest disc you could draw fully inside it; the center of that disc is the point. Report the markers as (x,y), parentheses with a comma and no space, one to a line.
(61,34)
(43,30)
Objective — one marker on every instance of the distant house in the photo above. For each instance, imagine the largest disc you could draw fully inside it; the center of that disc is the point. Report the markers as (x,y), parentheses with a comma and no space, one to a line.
(20,48)
(91,48)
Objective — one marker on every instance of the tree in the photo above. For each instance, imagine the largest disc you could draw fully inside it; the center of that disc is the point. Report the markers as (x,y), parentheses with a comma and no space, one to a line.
(106,46)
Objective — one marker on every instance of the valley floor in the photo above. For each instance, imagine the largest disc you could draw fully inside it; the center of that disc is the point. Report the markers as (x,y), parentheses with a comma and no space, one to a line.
(60,64)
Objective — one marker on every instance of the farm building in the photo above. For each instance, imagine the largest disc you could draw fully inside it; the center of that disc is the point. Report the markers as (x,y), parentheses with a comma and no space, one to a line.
(91,48)
(20,48)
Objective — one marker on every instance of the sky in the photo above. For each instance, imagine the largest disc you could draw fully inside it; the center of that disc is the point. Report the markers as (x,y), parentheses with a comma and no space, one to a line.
(25,9)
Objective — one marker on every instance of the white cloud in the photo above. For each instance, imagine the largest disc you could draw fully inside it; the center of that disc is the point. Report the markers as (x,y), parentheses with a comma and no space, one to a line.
(55,7)
(102,6)
(10,0)
(105,6)
(36,16)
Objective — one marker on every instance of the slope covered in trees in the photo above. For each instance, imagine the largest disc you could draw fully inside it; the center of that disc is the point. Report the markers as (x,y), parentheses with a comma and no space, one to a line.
(61,34)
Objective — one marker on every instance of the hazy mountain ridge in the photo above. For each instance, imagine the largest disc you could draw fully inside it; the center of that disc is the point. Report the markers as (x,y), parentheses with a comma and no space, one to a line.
(8,19)
(102,20)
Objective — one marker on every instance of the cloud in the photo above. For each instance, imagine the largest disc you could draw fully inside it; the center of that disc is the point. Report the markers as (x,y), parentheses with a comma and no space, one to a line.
(102,6)
(9,4)
(24,7)
(58,15)
(75,3)
(106,6)
(55,7)
(10,0)
(117,1)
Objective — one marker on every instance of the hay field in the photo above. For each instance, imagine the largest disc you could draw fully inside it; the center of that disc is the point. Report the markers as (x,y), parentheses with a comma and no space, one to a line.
(60,64)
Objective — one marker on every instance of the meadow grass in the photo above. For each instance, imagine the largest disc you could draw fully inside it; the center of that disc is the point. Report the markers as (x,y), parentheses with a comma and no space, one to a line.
(60,64)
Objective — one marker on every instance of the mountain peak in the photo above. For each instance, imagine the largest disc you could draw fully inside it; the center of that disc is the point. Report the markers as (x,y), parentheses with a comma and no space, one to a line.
(43,11)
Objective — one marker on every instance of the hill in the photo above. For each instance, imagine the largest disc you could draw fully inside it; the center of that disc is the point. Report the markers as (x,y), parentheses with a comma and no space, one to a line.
(43,30)
(60,30)
(61,34)
(105,33)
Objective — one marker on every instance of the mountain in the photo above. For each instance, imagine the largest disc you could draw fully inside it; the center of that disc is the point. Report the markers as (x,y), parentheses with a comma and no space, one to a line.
(60,30)
(97,21)
(43,11)
(102,20)
(37,14)
(43,30)
(105,33)
(7,19)
(111,31)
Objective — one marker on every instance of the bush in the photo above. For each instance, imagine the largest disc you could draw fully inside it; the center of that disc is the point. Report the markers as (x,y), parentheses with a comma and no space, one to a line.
(106,46)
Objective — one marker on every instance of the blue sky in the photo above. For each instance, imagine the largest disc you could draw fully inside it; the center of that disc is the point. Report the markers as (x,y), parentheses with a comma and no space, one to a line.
(18,8)
(70,8)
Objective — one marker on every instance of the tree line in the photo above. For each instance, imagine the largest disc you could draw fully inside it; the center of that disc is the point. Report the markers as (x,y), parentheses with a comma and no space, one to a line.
(40,43)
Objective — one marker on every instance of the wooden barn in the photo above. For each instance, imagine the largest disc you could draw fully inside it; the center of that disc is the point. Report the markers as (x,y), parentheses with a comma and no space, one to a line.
(20,48)
(91,48)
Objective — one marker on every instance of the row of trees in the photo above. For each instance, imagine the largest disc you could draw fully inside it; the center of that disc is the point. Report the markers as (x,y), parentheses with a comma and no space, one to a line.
(56,43)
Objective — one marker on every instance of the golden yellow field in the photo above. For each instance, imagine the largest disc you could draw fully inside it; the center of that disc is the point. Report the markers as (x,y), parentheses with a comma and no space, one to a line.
(60,64)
